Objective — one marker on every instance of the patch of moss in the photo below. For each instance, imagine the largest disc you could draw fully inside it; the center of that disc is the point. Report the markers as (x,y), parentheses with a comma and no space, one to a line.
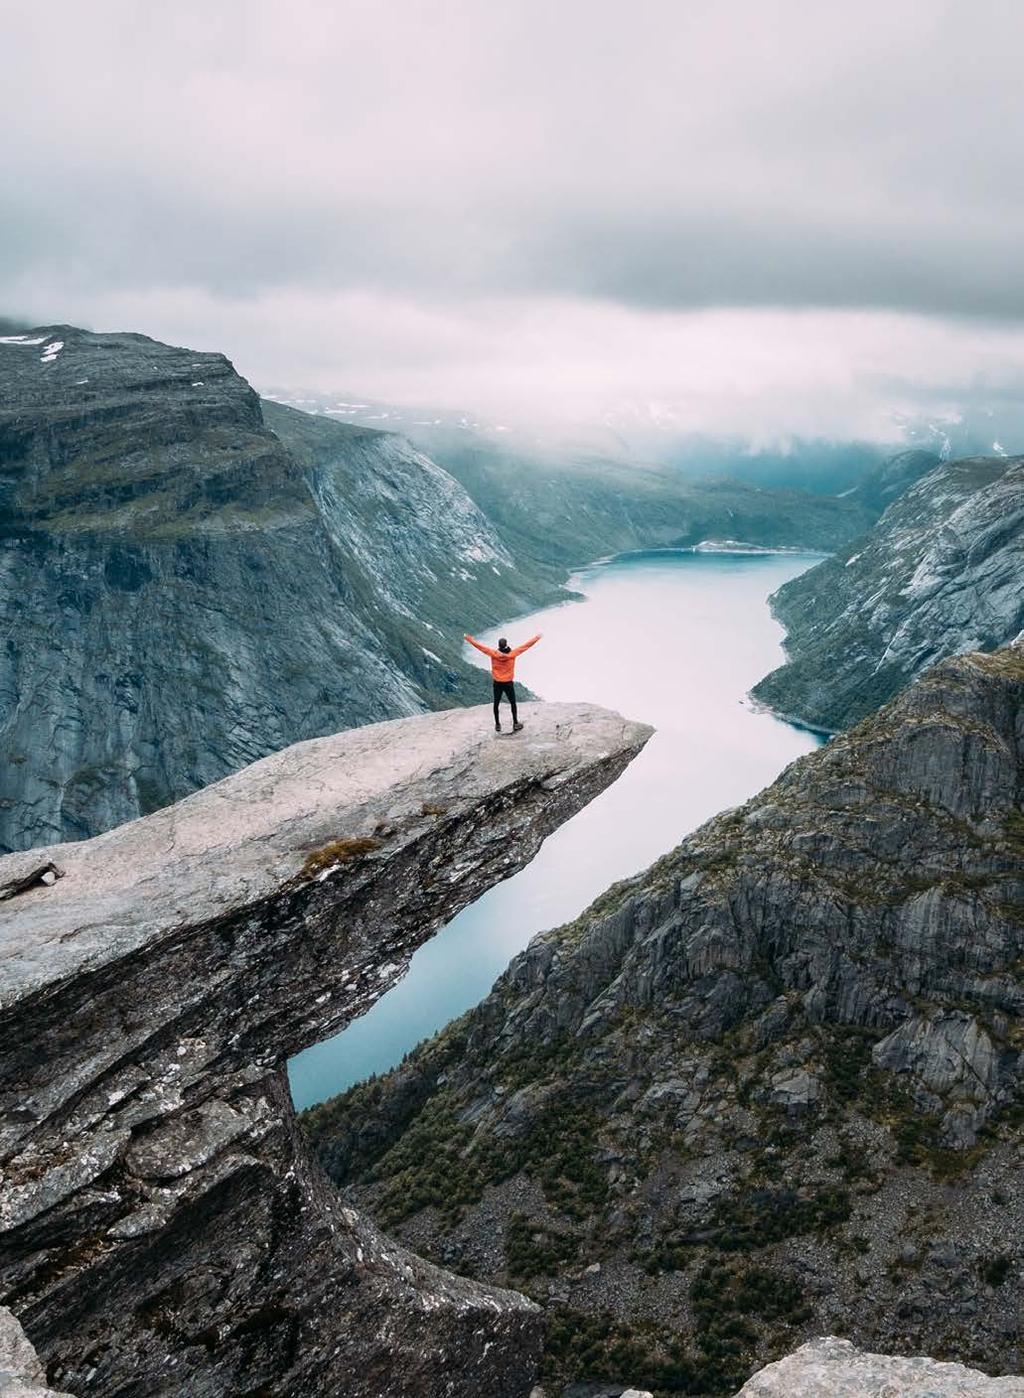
(762,1217)
(1008,662)
(434,1162)
(729,1297)
(919,1142)
(1014,827)
(428,1166)
(339,852)
(995,1270)
(846,1057)
(534,1249)
(582,1346)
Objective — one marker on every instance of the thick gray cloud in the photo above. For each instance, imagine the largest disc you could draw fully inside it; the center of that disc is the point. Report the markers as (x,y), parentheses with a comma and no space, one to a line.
(437,161)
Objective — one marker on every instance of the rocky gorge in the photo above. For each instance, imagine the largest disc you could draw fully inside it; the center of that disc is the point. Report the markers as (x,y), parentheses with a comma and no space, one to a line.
(191,578)
(770,1089)
(162,1228)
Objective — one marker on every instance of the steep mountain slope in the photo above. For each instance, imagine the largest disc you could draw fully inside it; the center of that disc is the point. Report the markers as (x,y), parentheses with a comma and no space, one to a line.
(572,510)
(878,488)
(940,574)
(183,590)
(564,503)
(771,1088)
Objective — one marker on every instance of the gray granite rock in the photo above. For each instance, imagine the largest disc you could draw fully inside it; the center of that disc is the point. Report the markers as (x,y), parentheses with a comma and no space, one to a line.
(163,1229)
(831,1368)
(21,1374)
(940,574)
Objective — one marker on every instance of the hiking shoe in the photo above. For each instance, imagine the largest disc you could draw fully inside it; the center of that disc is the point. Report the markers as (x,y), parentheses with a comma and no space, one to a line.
(516,726)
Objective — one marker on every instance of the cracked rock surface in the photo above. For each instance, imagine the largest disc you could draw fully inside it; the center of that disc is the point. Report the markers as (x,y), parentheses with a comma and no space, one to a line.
(831,1368)
(163,1230)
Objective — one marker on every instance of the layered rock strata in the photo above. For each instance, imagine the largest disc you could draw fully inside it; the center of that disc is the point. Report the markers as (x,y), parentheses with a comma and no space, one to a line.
(163,1230)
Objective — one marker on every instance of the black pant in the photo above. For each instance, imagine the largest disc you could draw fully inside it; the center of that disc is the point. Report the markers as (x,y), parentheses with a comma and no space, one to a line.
(505,687)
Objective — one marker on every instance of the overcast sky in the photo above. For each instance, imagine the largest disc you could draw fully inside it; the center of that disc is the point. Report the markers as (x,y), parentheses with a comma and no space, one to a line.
(774,215)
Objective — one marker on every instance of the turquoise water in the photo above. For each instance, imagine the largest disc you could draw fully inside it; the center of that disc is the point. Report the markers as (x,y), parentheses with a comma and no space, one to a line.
(673,638)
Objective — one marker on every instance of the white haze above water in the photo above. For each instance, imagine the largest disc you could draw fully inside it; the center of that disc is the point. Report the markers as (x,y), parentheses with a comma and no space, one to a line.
(673,638)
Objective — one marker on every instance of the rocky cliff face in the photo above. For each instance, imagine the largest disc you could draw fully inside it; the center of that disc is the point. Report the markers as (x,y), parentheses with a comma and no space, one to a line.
(186,586)
(941,573)
(162,1229)
(886,482)
(772,1088)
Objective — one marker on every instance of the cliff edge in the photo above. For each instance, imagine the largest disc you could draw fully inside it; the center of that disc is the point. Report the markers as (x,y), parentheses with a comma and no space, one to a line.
(163,1230)
(770,1089)
(188,583)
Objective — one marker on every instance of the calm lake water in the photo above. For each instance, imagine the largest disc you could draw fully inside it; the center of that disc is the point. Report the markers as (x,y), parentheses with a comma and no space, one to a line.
(673,638)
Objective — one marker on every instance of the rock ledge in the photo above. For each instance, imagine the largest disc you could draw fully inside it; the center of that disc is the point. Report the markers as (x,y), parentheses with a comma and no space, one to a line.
(162,1227)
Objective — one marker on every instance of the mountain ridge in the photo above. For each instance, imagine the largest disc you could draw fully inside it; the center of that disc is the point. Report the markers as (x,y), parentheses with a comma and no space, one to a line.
(941,573)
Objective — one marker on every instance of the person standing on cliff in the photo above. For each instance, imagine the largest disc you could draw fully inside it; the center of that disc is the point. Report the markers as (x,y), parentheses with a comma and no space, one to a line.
(503,672)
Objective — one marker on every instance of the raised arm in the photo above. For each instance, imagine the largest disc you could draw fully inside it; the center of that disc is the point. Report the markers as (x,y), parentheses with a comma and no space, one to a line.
(487,650)
(527,644)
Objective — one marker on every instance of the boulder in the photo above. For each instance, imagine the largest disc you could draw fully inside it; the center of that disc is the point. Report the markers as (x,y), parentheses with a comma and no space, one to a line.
(832,1368)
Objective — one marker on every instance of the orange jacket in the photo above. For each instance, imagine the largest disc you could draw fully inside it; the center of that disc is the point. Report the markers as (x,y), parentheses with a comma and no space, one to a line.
(503,662)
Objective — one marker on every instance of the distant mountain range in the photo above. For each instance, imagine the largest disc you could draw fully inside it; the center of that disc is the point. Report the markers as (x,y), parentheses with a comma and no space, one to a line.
(655,434)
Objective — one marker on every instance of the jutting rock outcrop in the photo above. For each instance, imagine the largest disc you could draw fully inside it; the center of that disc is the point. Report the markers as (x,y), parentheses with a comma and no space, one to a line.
(769,1089)
(187,585)
(163,1230)
(21,1374)
(941,573)
(831,1368)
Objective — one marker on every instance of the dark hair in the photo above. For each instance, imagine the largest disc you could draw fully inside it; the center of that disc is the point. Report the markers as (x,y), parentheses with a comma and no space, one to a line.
(503,644)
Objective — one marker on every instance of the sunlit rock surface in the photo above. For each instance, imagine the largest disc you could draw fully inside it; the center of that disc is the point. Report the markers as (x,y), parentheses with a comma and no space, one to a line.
(21,1374)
